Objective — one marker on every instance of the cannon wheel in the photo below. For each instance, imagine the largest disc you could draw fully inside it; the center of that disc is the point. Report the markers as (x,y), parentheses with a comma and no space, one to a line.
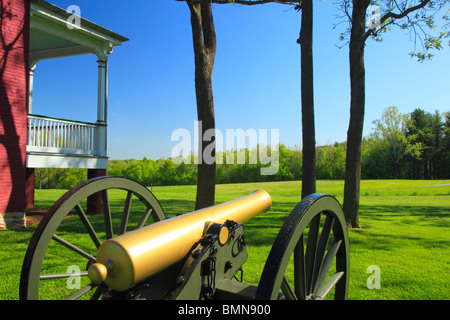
(83,246)
(312,253)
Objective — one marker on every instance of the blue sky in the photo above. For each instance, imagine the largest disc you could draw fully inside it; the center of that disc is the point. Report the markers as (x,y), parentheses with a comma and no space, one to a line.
(256,77)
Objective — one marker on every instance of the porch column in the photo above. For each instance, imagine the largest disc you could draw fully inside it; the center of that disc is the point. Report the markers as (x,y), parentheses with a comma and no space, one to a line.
(102,106)
(95,202)
(29,187)
(30,172)
(30,90)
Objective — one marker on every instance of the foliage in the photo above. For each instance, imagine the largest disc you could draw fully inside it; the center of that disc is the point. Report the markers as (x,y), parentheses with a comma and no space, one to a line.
(426,135)
(401,146)
(330,161)
(388,142)
(419,17)
(412,146)
(57,178)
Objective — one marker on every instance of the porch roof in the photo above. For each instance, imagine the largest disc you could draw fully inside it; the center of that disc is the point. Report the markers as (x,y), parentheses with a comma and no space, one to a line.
(53,35)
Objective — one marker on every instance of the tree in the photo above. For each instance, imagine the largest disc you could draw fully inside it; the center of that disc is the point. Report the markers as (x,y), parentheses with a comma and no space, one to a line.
(391,12)
(372,159)
(389,132)
(418,140)
(166,173)
(204,40)
(307,98)
(357,103)
(425,133)
(135,171)
(330,161)
(445,160)
(437,132)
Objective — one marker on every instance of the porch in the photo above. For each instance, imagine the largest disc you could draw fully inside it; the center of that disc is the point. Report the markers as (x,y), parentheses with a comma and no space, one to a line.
(67,143)
(61,143)
(54,142)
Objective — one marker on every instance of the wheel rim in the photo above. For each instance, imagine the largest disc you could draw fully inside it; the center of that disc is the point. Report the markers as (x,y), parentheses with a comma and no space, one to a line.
(312,254)
(45,263)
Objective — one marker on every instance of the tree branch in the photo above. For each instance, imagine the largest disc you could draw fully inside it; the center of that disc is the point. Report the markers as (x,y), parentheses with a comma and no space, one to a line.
(393,15)
(245,2)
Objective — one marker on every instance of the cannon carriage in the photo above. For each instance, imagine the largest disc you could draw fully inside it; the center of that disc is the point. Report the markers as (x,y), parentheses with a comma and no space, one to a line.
(139,253)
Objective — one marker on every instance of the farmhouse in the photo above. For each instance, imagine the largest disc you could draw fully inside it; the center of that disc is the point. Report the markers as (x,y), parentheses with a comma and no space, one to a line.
(31,31)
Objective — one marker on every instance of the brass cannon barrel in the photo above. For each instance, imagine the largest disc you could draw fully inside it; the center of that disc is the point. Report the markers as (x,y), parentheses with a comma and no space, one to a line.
(132,257)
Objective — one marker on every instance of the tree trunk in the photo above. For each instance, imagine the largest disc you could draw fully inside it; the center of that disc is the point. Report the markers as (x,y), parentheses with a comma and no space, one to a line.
(307,98)
(204,40)
(357,103)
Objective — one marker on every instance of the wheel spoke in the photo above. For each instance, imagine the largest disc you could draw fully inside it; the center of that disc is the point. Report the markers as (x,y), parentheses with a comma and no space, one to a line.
(73,248)
(322,246)
(126,214)
(144,218)
(61,275)
(311,249)
(287,290)
(326,265)
(299,270)
(330,284)
(79,293)
(87,225)
(107,215)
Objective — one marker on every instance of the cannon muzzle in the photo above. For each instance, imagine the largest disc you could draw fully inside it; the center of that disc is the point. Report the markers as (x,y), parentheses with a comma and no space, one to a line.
(130,258)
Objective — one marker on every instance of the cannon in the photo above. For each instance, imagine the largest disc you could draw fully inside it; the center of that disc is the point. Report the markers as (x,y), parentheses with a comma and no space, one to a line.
(138,252)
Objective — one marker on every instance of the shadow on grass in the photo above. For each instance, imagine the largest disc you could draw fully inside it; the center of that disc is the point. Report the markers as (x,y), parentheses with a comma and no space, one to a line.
(438,216)
(394,228)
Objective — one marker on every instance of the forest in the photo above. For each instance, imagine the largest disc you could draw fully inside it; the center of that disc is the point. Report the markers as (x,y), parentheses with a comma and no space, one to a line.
(400,146)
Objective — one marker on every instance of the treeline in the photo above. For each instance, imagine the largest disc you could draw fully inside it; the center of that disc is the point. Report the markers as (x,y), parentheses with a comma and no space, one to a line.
(184,171)
(407,146)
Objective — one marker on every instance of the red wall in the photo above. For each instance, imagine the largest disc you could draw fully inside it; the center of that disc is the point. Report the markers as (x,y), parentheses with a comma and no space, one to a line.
(15,31)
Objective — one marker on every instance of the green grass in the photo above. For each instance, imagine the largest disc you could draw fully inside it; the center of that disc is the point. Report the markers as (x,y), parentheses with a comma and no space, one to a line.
(405,232)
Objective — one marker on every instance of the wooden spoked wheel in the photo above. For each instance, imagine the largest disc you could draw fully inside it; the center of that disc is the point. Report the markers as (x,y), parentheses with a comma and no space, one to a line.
(312,241)
(65,242)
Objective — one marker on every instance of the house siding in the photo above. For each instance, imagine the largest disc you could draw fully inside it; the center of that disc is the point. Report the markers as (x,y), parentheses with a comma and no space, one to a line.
(14,73)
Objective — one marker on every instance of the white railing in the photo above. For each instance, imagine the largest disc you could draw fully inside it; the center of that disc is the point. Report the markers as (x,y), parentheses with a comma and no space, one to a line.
(59,136)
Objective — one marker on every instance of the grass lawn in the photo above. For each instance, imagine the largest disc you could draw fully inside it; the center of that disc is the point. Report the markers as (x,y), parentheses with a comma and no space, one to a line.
(405,233)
